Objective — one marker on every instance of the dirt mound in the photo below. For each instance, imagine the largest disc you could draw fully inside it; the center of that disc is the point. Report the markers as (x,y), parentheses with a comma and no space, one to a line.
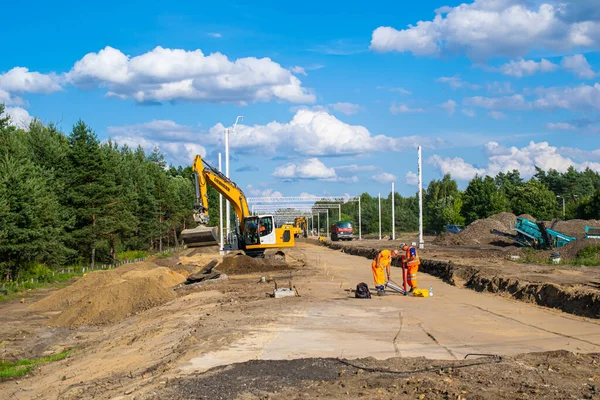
(103,297)
(574,227)
(243,264)
(478,232)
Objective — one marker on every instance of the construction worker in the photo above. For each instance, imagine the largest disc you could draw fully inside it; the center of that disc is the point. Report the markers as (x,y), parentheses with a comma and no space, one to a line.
(381,262)
(412,262)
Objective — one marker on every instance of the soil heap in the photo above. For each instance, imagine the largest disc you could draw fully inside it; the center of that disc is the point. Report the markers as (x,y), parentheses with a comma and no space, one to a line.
(479,232)
(105,297)
(243,264)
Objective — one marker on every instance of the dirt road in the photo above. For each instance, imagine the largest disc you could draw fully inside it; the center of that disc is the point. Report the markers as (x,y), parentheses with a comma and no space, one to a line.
(149,355)
(453,323)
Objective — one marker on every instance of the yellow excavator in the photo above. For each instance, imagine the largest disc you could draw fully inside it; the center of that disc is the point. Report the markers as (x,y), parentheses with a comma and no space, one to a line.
(253,235)
(300,227)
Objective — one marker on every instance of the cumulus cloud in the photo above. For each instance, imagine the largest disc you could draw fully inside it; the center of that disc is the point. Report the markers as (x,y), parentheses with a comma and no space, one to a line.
(404,109)
(497,115)
(488,28)
(384,177)
(298,70)
(256,192)
(313,133)
(525,159)
(457,167)
(520,68)
(514,102)
(164,74)
(455,82)
(311,168)
(19,117)
(578,65)
(21,80)
(449,106)
(216,35)
(346,108)
(468,112)
(561,126)
(411,179)
(178,143)
(356,168)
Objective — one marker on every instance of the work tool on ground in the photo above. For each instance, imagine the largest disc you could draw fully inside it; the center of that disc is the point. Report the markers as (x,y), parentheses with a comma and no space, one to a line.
(253,234)
(394,286)
(535,235)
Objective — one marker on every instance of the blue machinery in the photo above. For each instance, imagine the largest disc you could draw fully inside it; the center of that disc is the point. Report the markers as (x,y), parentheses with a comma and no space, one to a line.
(536,235)
(592,233)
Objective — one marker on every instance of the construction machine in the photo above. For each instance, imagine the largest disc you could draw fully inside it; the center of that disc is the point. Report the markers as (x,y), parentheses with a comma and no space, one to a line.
(300,227)
(253,234)
(535,235)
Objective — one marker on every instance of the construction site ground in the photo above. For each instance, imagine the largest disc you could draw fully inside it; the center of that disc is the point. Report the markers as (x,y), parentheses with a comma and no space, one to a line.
(227,339)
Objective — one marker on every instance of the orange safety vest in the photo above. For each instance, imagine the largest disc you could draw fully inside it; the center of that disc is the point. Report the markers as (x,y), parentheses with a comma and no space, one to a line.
(416,261)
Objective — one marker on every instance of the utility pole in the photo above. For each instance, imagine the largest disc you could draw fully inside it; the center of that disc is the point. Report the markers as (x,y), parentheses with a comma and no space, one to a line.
(563,201)
(379,196)
(220,212)
(228,206)
(359,221)
(340,212)
(421,243)
(393,214)
(327,222)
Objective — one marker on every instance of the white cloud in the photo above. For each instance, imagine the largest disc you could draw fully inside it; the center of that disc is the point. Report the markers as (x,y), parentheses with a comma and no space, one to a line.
(313,133)
(561,126)
(411,179)
(497,115)
(298,70)
(19,117)
(346,108)
(514,102)
(455,82)
(404,109)
(521,67)
(525,159)
(356,168)
(490,28)
(468,112)
(215,35)
(449,106)
(457,167)
(395,89)
(179,75)
(384,177)
(578,65)
(256,192)
(500,87)
(311,168)
(178,143)
(21,80)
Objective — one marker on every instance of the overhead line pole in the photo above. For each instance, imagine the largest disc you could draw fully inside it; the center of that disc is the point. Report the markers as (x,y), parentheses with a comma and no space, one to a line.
(220,212)
(379,197)
(393,215)
(421,243)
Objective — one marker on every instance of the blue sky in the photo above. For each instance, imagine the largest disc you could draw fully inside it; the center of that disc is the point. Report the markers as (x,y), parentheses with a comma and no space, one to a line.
(335,96)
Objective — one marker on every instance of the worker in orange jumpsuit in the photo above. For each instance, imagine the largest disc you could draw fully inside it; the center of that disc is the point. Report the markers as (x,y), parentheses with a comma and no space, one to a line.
(381,269)
(412,262)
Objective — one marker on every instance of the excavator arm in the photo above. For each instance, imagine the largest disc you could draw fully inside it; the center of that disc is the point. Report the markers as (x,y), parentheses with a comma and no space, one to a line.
(206,174)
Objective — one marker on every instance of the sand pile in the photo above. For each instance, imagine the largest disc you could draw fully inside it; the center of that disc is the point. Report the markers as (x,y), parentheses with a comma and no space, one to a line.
(479,232)
(104,297)
(574,227)
(243,264)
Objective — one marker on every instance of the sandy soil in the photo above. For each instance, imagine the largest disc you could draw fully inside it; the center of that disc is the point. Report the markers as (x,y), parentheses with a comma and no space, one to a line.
(181,349)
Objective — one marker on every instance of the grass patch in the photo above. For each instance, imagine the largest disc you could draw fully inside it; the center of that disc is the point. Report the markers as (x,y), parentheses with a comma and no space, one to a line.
(166,254)
(23,367)
(131,255)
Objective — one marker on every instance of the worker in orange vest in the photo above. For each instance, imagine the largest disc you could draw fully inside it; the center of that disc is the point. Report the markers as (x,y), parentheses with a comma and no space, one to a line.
(381,262)
(412,262)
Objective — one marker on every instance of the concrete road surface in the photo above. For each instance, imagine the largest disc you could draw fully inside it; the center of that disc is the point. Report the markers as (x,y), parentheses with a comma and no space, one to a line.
(450,325)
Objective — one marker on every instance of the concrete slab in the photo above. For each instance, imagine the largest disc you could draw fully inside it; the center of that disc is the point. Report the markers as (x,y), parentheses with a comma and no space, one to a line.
(453,323)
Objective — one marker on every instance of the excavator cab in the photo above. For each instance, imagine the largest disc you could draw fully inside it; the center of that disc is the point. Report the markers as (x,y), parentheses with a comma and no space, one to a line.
(259,230)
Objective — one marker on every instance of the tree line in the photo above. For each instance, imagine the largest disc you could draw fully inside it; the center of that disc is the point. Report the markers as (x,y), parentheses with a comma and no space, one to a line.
(70,199)
(444,203)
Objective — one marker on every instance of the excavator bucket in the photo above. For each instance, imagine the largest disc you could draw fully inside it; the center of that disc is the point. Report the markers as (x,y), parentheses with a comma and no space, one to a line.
(201,236)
